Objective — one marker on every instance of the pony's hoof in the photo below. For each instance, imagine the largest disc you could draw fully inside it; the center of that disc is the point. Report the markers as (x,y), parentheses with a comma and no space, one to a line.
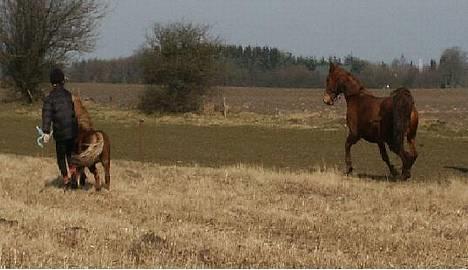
(349,170)
(73,184)
(405,176)
(82,182)
(66,186)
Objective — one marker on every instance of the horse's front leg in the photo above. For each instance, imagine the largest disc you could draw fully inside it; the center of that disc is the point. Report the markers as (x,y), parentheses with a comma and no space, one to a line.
(408,158)
(350,140)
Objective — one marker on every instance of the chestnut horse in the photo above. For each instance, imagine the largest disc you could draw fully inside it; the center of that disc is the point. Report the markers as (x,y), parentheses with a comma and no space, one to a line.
(380,120)
(92,146)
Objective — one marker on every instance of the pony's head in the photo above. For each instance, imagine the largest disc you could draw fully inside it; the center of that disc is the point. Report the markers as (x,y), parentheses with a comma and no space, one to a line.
(333,88)
(82,115)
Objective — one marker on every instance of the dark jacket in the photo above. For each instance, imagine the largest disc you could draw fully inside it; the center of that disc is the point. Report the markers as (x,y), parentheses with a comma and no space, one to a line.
(58,109)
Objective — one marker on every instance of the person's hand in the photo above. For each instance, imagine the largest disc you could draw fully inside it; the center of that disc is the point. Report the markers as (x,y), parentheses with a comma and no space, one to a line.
(46,138)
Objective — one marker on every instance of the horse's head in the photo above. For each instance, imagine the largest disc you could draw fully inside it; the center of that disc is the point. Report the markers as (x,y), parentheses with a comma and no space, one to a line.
(333,88)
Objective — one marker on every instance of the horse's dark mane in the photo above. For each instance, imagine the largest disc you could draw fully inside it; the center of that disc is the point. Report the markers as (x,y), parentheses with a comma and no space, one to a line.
(355,80)
(401,90)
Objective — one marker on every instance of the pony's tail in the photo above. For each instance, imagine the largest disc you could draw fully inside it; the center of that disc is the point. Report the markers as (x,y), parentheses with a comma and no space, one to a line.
(91,155)
(402,106)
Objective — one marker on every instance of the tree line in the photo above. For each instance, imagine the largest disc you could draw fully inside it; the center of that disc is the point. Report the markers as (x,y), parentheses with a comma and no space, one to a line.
(241,66)
(119,70)
(270,67)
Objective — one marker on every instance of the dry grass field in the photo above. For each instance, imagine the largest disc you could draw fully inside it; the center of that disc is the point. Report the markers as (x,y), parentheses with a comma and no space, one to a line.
(262,188)
(239,216)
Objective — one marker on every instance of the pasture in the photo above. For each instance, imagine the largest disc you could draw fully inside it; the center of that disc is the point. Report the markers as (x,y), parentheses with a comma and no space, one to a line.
(262,188)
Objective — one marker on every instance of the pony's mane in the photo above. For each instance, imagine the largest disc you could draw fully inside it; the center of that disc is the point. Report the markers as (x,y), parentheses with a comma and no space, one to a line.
(84,120)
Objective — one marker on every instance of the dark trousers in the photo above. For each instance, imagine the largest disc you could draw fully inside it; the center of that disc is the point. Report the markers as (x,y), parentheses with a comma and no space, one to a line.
(64,151)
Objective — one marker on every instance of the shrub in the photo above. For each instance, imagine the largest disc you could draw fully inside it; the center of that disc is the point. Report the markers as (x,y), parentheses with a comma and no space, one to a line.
(181,59)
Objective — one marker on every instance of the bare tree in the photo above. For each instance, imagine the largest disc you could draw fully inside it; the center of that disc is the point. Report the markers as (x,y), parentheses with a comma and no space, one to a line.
(35,34)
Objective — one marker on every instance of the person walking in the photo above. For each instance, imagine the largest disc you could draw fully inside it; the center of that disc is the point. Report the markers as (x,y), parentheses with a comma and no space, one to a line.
(58,114)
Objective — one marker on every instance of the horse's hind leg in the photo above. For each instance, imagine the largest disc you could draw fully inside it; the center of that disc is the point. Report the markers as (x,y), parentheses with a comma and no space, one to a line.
(408,157)
(406,164)
(384,155)
(412,155)
(407,160)
(350,140)
(97,180)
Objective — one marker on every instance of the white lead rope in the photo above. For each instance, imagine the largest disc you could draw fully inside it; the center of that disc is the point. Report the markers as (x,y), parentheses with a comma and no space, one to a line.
(40,138)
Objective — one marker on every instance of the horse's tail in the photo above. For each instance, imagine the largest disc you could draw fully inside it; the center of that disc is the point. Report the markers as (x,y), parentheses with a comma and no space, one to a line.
(403,103)
(92,153)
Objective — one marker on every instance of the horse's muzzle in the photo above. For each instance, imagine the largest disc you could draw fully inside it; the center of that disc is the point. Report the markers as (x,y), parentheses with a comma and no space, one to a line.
(327,99)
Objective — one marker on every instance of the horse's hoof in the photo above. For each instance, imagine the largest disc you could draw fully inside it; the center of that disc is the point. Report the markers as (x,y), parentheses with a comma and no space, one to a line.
(349,171)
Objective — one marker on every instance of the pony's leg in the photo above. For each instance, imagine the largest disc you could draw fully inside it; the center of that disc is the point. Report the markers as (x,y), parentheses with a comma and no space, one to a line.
(384,155)
(105,160)
(106,165)
(74,174)
(350,140)
(82,178)
(97,180)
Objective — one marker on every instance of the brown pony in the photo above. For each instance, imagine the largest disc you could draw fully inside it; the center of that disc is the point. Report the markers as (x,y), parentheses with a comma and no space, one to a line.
(92,146)
(378,120)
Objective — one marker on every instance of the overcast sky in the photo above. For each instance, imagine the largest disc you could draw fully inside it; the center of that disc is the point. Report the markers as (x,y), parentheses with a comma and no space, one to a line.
(375,29)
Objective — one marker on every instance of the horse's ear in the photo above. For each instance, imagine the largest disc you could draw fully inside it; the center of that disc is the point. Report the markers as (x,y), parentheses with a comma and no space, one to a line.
(332,67)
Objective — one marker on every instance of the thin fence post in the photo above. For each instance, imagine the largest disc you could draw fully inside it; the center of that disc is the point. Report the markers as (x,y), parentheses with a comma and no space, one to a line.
(225,109)
(140,140)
